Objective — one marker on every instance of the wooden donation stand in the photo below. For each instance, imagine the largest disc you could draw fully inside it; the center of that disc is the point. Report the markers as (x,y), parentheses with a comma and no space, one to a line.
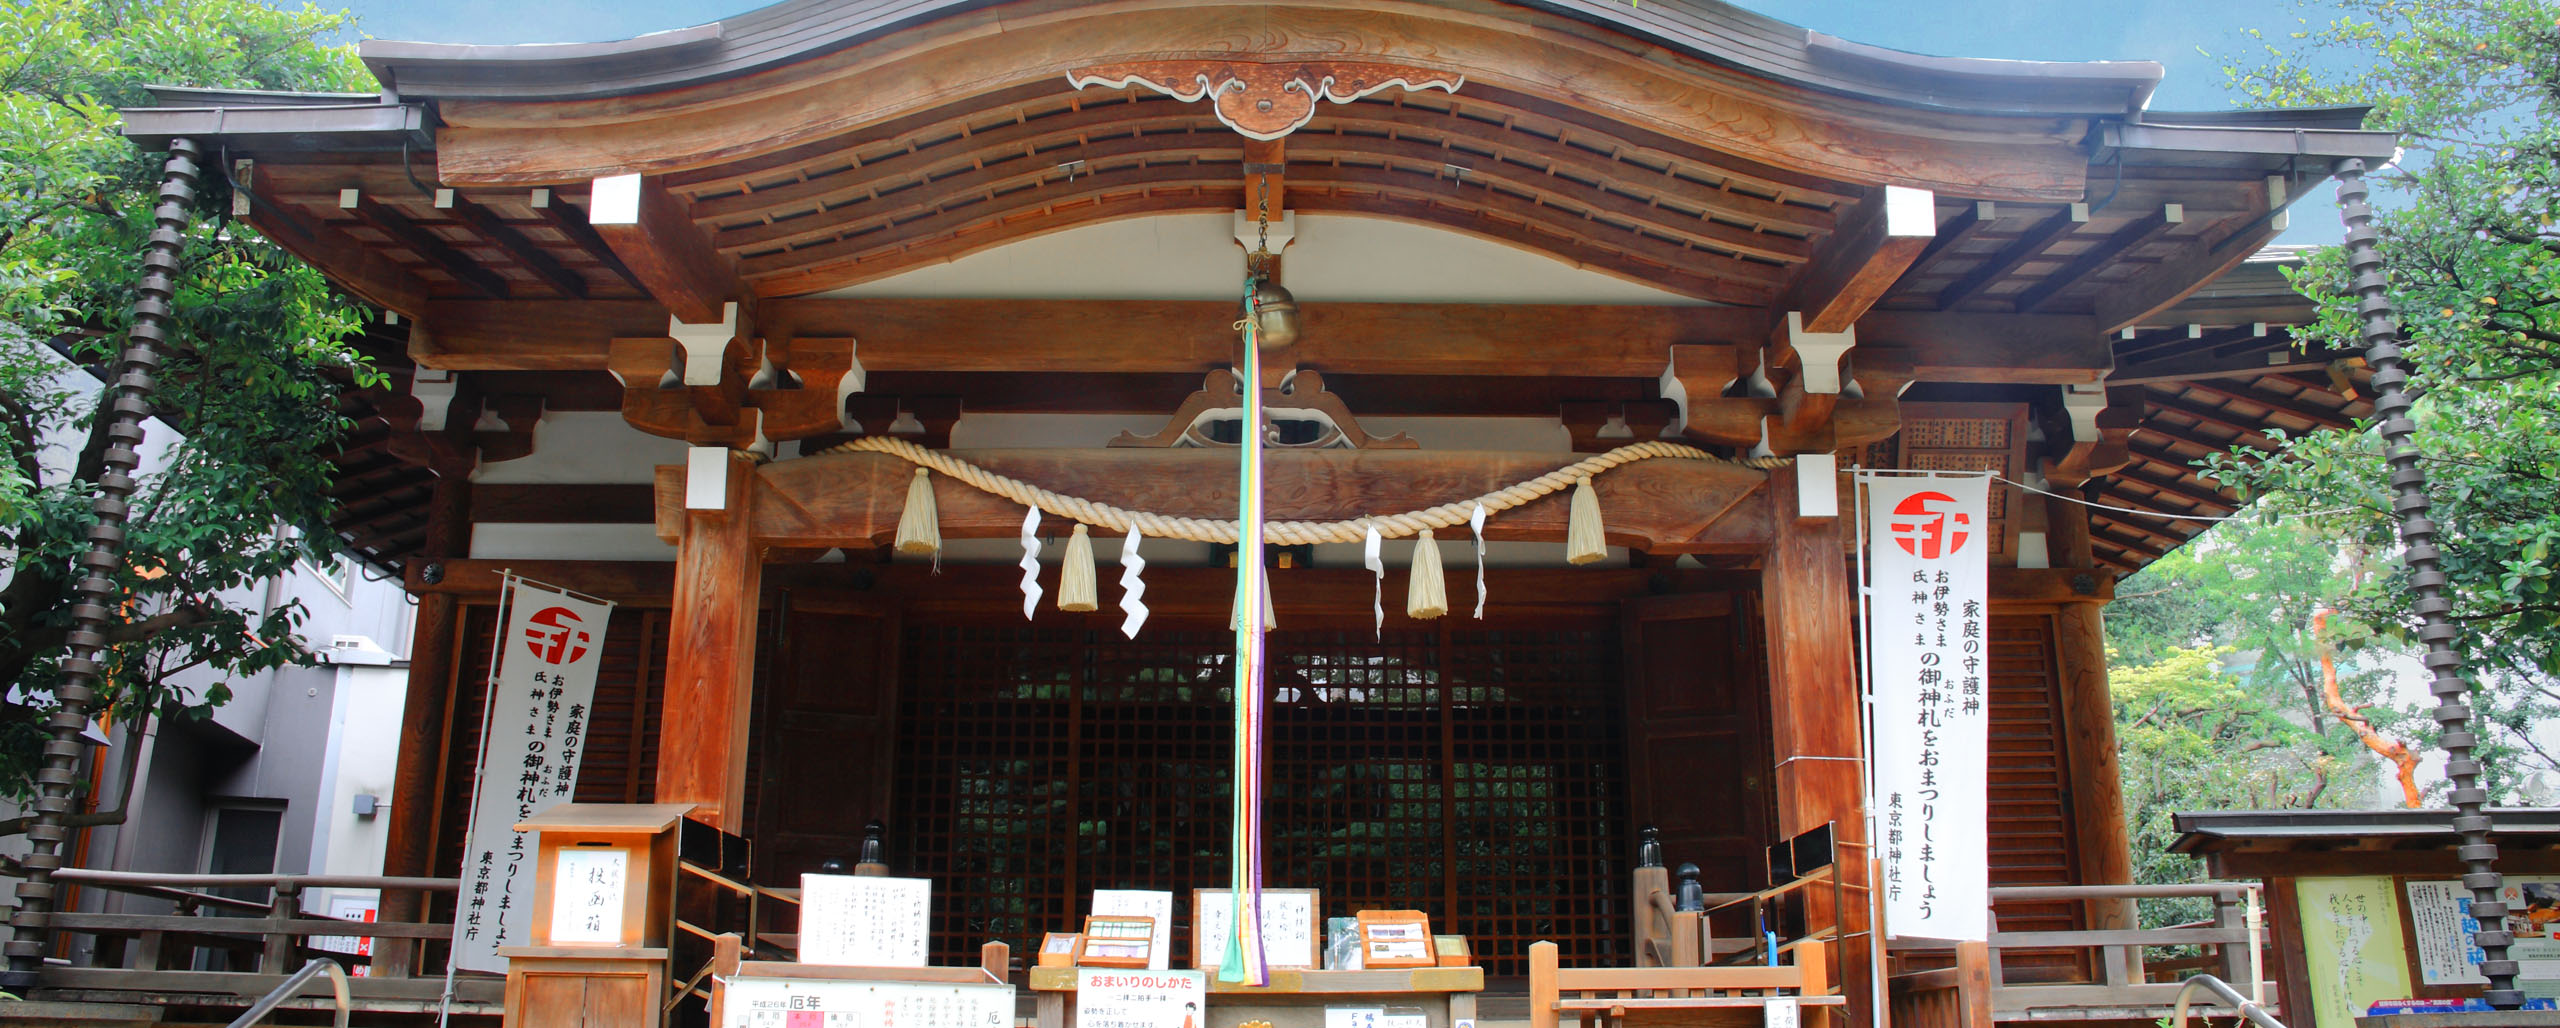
(603,906)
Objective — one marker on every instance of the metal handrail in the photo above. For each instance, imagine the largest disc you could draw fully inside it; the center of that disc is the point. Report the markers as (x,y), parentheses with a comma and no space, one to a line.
(275,997)
(2247,1007)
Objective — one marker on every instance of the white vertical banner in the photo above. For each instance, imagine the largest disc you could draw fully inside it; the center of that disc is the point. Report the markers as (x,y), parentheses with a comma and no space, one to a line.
(540,694)
(1929,669)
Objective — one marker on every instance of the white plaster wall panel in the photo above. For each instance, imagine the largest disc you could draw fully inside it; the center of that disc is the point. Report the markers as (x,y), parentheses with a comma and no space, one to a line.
(520,541)
(1342,258)
(585,447)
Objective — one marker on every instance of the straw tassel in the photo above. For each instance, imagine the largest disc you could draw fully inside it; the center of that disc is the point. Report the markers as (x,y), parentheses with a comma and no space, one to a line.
(1427,594)
(1584,542)
(920,525)
(1075,574)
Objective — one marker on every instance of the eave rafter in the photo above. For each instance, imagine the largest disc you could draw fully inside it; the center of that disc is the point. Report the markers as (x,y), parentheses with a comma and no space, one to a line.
(933,187)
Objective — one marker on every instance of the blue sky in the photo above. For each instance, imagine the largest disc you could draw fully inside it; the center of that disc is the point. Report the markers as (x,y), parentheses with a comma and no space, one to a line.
(2189,37)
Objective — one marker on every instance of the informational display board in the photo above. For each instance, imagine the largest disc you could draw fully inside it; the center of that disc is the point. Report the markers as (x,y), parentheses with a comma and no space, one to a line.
(587,894)
(539,700)
(1289,922)
(2350,946)
(1929,668)
(1144,903)
(864,921)
(811,1003)
(2533,916)
(2440,917)
(1110,998)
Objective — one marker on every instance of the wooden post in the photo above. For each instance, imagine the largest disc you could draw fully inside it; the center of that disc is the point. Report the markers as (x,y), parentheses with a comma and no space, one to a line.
(711,648)
(2089,725)
(1813,707)
(409,843)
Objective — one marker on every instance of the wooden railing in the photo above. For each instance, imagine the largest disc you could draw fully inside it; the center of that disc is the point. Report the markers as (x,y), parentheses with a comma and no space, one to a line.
(256,944)
(2128,980)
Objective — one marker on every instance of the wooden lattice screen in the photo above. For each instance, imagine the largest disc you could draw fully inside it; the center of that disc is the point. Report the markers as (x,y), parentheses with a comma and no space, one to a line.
(1474,774)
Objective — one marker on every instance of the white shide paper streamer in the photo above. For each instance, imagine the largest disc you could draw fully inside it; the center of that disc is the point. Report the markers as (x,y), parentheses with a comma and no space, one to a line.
(1377,590)
(1132,591)
(1030,562)
(1475,523)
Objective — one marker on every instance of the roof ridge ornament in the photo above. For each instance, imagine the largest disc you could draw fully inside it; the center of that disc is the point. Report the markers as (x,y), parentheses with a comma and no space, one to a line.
(1265,100)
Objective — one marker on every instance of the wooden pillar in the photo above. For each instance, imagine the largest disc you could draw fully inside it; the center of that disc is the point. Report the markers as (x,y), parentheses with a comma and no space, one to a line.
(1813,707)
(2089,724)
(711,644)
(410,840)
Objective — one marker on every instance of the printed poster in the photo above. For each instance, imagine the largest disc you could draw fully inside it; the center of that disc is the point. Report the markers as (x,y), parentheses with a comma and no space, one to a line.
(1109,998)
(1928,666)
(864,921)
(539,698)
(2350,946)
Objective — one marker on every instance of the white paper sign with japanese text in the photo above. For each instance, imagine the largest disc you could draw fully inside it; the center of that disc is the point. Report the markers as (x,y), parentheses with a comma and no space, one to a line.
(864,921)
(1109,998)
(1929,663)
(586,896)
(757,1002)
(539,699)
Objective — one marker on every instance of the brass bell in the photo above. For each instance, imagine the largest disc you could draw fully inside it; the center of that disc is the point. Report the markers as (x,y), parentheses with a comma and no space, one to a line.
(1275,315)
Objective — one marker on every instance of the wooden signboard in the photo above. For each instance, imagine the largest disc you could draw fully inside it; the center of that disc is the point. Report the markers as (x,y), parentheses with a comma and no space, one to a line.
(1116,940)
(1289,927)
(1396,938)
(1058,949)
(754,1002)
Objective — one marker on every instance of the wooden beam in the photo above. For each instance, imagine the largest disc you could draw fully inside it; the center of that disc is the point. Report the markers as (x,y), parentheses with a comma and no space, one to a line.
(2238,366)
(648,228)
(854,499)
(555,503)
(2279,404)
(572,224)
(358,268)
(436,250)
(2025,248)
(529,335)
(526,252)
(1876,243)
(2247,427)
(1099,337)
(2185,270)
(2208,498)
(1967,224)
(2106,534)
(2125,240)
(710,673)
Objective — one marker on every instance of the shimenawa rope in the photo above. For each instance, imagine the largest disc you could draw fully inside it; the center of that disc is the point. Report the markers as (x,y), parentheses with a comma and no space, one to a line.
(1290,533)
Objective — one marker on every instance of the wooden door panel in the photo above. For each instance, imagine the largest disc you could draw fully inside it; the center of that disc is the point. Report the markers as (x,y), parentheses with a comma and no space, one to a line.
(1697,735)
(827,737)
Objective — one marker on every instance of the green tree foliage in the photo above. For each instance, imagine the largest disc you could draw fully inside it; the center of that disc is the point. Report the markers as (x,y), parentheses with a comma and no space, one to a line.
(258,355)
(2471,238)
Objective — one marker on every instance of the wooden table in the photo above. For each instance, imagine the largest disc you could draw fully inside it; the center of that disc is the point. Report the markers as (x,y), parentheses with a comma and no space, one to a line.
(1446,996)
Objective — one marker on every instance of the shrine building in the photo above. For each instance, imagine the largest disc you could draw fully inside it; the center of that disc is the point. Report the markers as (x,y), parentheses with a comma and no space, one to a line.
(674,322)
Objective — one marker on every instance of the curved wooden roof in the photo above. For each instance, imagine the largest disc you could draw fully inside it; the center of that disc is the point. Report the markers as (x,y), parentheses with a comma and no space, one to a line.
(1703,30)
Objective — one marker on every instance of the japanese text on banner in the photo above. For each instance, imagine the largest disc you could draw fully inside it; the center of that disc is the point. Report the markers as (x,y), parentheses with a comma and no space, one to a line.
(539,700)
(1929,665)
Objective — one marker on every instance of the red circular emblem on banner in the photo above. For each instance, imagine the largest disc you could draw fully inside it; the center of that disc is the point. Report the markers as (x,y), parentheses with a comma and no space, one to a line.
(1924,528)
(556,635)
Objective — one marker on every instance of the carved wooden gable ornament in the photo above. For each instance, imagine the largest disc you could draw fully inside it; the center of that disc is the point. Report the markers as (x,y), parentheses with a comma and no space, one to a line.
(1265,100)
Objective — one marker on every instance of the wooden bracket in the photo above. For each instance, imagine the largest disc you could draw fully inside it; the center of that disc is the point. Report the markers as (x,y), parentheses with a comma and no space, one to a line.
(650,231)
(1584,420)
(2096,424)
(435,425)
(1301,398)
